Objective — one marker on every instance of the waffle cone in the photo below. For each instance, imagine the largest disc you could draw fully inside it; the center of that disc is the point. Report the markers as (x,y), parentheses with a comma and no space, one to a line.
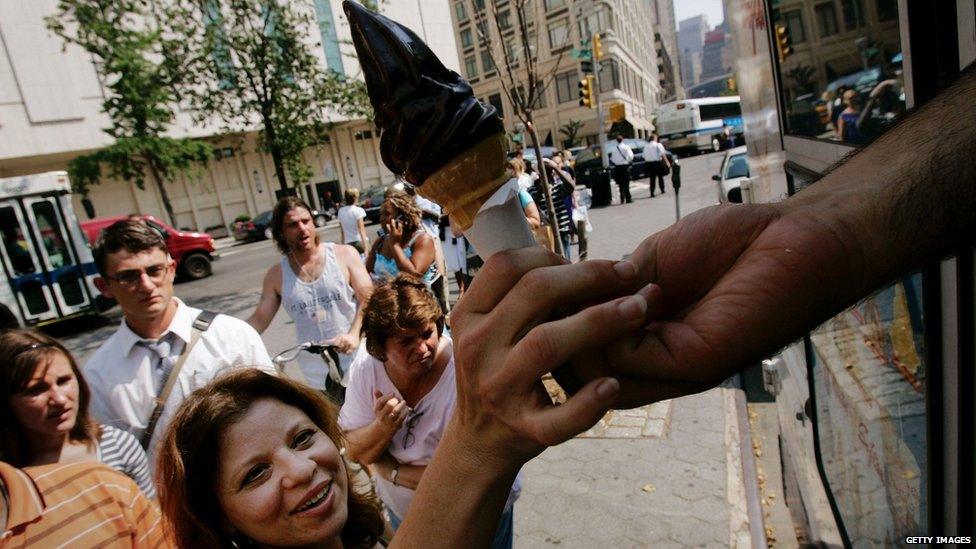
(462,185)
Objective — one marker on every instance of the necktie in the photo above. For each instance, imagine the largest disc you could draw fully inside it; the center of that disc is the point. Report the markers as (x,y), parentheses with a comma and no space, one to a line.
(161,351)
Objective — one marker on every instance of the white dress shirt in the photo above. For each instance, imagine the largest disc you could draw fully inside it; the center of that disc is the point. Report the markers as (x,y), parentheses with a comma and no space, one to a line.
(620,154)
(121,372)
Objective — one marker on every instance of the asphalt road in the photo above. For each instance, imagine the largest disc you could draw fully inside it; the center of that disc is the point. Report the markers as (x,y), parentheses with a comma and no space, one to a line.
(235,285)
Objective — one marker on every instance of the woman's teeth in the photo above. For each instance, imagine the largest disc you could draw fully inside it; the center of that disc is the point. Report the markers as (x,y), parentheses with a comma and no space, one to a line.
(315,500)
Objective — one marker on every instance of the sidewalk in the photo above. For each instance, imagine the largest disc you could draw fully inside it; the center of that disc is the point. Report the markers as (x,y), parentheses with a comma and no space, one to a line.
(669,474)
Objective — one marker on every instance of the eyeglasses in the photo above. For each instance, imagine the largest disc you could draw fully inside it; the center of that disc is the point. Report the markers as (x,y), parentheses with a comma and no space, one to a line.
(409,438)
(156,273)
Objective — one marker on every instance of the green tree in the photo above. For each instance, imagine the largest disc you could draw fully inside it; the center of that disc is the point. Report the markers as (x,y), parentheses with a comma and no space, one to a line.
(141,70)
(252,63)
(570,131)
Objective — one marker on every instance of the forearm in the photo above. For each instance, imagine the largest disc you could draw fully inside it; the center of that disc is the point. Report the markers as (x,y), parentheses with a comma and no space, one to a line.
(357,323)
(461,493)
(368,444)
(404,264)
(408,476)
(899,209)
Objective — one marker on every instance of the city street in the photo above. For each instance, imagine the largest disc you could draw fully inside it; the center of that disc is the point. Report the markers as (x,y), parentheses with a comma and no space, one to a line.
(235,285)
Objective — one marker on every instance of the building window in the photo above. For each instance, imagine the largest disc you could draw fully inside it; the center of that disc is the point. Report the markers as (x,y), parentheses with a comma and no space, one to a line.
(495,100)
(598,21)
(566,87)
(470,67)
(555,4)
(505,20)
(826,19)
(460,11)
(794,24)
(853,14)
(487,65)
(609,75)
(479,4)
(466,41)
(512,51)
(361,135)
(887,9)
(483,30)
(559,34)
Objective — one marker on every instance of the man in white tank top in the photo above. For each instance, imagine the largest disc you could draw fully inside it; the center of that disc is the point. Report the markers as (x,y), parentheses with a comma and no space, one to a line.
(322,286)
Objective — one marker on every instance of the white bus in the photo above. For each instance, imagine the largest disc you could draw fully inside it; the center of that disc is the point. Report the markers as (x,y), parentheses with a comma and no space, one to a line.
(48,271)
(690,126)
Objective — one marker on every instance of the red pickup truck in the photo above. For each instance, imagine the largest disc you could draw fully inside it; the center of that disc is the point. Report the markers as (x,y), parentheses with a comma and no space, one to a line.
(193,252)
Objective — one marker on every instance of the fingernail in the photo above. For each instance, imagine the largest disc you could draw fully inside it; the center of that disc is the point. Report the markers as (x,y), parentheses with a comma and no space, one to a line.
(625,270)
(634,307)
(607,388)
(650,292)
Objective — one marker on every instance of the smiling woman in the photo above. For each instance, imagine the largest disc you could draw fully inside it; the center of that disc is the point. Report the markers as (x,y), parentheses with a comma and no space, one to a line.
(254,459)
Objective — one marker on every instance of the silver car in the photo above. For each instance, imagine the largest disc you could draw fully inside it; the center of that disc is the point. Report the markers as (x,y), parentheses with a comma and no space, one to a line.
(735,168)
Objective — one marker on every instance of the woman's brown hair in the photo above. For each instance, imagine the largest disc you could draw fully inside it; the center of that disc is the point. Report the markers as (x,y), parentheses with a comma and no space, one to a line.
(404,303)
(22,352)
(189,457)
(406,209)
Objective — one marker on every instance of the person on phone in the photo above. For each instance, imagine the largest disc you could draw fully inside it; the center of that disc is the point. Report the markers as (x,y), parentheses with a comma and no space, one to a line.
(322,286)
(405,246)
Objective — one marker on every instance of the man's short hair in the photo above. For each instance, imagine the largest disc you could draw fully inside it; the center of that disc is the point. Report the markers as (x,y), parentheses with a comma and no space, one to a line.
(281,209)
(128,235)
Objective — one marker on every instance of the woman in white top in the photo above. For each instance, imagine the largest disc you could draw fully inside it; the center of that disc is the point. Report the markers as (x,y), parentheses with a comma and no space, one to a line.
(401,398)
(351,224)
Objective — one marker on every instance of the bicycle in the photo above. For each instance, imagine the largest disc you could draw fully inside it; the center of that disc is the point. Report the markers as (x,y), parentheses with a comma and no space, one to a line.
(335,387)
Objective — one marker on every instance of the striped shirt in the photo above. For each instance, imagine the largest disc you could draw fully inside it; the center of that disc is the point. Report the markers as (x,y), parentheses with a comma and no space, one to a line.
(81,504)
(121,451)
(559,197)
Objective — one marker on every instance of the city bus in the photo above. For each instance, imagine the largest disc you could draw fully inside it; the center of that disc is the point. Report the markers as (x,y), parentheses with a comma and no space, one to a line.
(48,271)
(690,126)
(875,407)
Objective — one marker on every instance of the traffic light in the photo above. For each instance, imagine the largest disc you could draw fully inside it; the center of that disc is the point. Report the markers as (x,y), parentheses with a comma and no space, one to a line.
(783,47)
(597,48)
(586,92)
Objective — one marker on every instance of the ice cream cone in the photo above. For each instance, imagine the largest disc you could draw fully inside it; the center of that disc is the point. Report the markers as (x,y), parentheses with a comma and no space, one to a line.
(463,185)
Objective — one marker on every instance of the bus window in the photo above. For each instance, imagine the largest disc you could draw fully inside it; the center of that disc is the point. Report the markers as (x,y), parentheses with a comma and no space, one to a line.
(842,72)
(869,379)
(15,243)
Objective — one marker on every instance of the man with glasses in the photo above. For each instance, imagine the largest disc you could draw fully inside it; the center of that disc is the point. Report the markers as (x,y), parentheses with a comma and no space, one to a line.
(159,336)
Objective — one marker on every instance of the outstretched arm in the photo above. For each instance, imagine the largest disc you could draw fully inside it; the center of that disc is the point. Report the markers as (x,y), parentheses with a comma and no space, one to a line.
(739,282)
(500,395)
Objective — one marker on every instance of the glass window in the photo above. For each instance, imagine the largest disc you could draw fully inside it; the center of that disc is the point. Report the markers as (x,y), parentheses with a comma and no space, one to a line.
(826,19)
(718,112)
(513,52)
(470,67)
(870,376)
(846,87)
(460,11)
(466,40)
(609,75)
(887,9)
(559,34)
(15,244)
(505,20)
(495,100)
(853,14)
(738,166)
(566,87)
(487,65)
(794,25)
(554,4)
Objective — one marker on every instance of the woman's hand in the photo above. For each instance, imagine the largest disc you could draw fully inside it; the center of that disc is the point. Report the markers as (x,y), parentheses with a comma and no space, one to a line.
(395,228)
(390,411)
(504,345)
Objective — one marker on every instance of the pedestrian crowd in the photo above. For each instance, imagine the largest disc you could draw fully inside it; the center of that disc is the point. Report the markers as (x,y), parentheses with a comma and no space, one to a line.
(441,419)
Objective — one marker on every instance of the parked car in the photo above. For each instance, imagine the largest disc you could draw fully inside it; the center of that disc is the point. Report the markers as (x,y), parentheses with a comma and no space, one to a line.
(258,228)
(735,168)
(192,251)
(591,158)
(370,200)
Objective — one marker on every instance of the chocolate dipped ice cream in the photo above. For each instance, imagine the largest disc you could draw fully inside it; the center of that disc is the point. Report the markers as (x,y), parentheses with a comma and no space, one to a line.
(435,133)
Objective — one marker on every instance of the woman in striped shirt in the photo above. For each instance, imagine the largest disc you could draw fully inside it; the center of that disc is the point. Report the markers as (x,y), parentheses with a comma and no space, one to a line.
(42,390)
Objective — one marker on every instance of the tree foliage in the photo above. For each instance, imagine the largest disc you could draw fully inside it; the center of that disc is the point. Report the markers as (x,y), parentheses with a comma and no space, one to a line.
(252,64)
(570,131)
(142,72)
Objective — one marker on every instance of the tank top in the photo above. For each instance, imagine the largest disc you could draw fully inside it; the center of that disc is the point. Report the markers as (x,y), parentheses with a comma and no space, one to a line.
(385,267)
(321,310)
